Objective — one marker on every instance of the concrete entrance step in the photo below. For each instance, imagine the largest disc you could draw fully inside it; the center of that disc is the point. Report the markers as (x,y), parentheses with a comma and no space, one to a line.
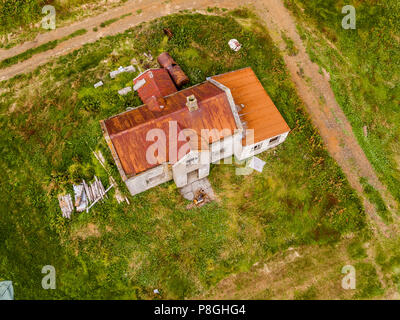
(189,191)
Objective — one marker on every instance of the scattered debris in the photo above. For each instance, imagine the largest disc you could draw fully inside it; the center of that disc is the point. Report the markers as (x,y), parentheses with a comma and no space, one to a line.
(98,84)
(121,69)
(139,84)
(114,73)
(99,156)
(234,45)
(199,197)
(130,69)
(66,205)
(81,201)
(199,192)
(156,291)
(88,191)
(118,195)
(256,164)
(365,131)
(84,195)
(265,269)
(98,192)
(124,91)
(293,254)
(136,63)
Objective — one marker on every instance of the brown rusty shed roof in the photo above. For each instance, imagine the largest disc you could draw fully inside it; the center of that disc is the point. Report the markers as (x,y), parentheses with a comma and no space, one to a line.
(259,111)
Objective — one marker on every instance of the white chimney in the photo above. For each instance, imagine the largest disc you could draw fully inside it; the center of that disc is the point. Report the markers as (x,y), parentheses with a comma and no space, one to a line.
(191,103)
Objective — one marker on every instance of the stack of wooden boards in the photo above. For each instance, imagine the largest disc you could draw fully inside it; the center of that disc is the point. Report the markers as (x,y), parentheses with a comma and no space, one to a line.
(85,197)
(66,205)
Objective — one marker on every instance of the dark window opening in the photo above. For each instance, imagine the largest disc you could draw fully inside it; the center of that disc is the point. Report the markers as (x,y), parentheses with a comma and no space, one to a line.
(274,140)
(151,180)
(257,147)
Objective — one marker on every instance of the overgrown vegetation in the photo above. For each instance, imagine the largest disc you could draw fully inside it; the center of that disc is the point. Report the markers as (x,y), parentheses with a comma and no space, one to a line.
(290,46)
(110,21)
(375,198)
(364,69)
(51,124)
(365,73)
(368,284)
(388,258)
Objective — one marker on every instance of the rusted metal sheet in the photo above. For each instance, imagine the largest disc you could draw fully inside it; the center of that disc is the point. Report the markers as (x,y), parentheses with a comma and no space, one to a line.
(174,70)
(177,74)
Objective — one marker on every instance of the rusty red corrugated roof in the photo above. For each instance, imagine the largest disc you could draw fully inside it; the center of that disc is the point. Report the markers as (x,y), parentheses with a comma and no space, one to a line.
(128,130)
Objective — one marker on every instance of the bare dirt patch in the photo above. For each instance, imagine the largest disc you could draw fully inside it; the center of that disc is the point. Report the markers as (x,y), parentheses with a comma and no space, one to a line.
(297,269)
(90,230)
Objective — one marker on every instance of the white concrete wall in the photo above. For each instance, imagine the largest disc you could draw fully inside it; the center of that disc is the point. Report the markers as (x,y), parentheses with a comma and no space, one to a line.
(247,151)
(227,146)
(149,179)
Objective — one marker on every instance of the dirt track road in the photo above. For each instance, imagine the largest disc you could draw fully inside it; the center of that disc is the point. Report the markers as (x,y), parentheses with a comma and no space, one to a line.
(327,117)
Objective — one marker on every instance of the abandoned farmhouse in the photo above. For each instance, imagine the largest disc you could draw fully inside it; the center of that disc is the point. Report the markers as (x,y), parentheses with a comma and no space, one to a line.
(234,110)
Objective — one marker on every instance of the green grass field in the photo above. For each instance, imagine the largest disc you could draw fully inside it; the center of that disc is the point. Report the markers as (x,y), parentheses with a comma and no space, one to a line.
(365,72)
(44,47)
(50,124)
(364,69)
